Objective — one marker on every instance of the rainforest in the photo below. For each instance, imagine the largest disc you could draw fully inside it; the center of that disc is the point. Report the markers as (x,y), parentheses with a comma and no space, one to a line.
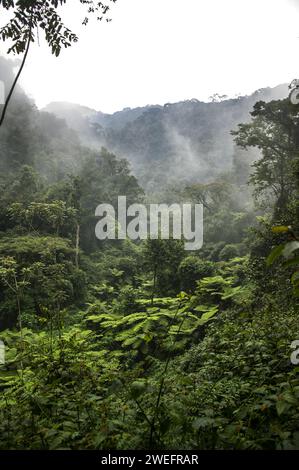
(139,343)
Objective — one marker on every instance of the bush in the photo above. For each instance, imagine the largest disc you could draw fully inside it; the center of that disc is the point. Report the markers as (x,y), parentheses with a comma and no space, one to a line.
(127,301)
(193,269)
(229,252)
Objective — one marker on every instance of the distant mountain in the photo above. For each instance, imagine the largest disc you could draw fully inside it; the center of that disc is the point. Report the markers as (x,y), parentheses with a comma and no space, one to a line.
(189,140)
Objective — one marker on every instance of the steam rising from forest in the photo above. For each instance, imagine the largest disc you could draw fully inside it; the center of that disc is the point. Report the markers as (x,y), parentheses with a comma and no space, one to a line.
(183,141)
(128,342)
(188,141)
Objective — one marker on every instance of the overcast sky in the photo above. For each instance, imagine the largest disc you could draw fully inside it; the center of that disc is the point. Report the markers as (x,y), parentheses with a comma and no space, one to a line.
(158,51)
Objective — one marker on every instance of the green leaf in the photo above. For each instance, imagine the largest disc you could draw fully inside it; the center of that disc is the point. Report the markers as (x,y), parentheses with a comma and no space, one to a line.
(281,407)
(291,262)
(275,253)
(138,388)
(280,229)
(290,248)
(208,315)
(202,422)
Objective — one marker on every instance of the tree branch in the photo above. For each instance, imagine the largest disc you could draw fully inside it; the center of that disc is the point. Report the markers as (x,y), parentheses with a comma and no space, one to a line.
(7,101)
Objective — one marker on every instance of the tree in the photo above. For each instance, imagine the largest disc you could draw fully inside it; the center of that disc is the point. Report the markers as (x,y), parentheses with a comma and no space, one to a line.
(52,280)
(274,129)
(210,195)
(31,15)
(103,178)
(28,15)
(163,257)
(228,252)
(192,269)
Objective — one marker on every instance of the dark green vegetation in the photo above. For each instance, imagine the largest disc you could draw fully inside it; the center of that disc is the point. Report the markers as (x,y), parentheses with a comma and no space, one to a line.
(115,345)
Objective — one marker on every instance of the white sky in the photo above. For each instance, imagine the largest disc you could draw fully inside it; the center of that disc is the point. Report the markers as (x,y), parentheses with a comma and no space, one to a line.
(158,51)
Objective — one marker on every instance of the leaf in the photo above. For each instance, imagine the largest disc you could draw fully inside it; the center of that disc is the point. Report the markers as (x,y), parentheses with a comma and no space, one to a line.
(138,388)
(230,292)
(208,315)
(291,262)
(295,277)
(202,422)
(280,229)
(201,308)
(275,253)
(290,248)
(281,407)
(116,386)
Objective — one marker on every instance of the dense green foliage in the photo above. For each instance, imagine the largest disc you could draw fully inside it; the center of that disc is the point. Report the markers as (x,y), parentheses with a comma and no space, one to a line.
(117,345)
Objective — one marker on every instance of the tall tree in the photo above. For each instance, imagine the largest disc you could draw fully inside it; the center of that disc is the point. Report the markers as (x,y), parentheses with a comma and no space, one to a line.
(274,130)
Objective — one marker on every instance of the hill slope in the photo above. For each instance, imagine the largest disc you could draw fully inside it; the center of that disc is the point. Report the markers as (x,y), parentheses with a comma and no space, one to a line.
(189,140)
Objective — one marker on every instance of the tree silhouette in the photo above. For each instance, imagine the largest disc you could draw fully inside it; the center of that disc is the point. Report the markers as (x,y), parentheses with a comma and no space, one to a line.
(29,16)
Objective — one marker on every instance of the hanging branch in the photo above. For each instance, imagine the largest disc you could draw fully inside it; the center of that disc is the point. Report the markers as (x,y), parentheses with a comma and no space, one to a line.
(44,15)
(9,96)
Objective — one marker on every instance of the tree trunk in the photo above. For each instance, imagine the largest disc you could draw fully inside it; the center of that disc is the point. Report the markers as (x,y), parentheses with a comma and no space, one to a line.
(154,286)
(77,246)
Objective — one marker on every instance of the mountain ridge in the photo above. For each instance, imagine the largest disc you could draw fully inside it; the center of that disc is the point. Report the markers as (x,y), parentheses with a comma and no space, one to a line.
(188,140)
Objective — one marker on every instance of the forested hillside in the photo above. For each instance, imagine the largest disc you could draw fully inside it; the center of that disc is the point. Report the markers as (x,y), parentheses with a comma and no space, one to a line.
(159,141)
(134,345)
